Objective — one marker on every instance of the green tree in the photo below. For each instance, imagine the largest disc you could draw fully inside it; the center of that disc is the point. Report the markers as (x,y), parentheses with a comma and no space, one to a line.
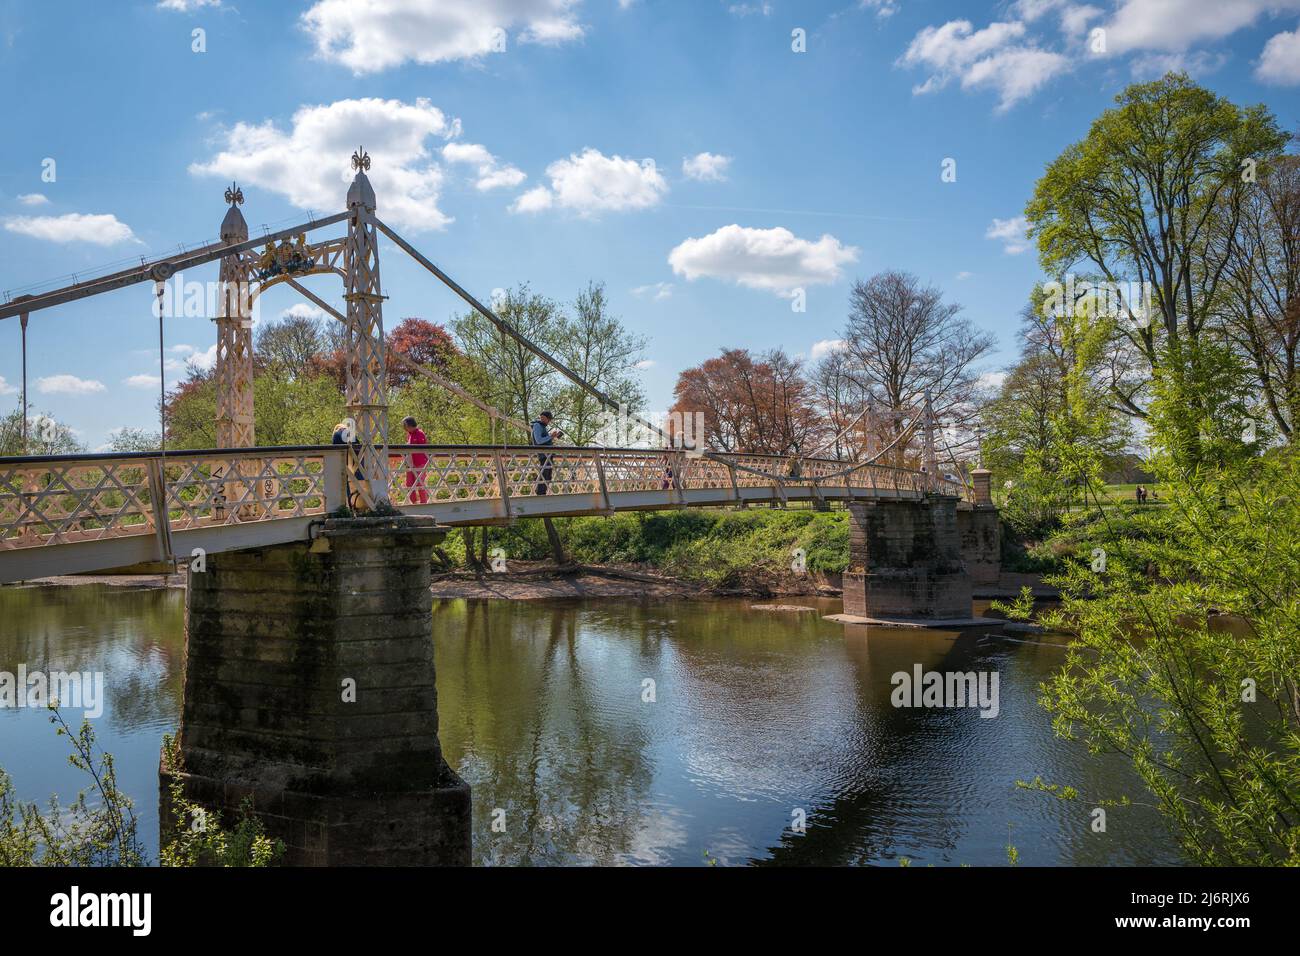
(604,352)
(1141,199)
(1051,429)
(1186,656)
(133,439)
(45,435)
(520,382)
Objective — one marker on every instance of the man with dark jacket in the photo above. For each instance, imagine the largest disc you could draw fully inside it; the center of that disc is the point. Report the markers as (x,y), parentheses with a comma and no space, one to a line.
(543,434)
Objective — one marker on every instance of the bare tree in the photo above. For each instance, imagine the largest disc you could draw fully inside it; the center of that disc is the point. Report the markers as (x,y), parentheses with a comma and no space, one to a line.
(1261,304)
(842,401)
(903,341)
(291,344)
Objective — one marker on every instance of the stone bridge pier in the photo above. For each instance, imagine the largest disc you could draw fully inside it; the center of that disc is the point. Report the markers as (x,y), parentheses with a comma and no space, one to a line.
(980,527)
(915,561)
(309,689)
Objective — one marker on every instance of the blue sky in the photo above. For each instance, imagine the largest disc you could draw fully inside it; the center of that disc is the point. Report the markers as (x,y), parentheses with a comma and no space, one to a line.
(681,152)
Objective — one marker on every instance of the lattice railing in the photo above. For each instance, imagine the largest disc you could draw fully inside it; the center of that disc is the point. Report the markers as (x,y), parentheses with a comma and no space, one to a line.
(67,500)
(64,500)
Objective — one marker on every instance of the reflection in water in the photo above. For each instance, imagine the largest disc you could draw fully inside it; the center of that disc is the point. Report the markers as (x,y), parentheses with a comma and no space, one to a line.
(755,715)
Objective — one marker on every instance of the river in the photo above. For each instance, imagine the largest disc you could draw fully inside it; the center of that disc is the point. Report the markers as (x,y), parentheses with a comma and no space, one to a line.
(757,725)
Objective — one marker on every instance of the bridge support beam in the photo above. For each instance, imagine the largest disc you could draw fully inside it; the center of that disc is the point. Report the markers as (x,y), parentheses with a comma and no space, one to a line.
(309,688)
(905,561)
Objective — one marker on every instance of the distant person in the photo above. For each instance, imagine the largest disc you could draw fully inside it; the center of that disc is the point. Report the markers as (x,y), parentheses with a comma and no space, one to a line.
(543,434)
(342,431)
(416,463)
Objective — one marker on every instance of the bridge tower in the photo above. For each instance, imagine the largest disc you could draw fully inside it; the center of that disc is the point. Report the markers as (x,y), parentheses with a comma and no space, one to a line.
(367,398)
(234,368)
(931,455)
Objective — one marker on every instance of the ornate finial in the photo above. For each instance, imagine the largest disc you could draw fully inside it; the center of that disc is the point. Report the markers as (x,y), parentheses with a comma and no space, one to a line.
(234,195)
(360,159)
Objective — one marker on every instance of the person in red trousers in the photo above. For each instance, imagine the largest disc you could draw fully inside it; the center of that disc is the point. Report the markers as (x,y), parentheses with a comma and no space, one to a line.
(415,467)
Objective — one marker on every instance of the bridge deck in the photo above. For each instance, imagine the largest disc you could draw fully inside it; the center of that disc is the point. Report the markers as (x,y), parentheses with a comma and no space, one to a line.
(70,514)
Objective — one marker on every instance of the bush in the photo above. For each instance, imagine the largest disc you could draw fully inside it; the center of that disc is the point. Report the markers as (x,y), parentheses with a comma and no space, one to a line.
(715,548)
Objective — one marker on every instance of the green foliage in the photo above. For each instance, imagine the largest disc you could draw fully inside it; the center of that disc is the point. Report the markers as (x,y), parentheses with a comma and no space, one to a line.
(295,410)
(1201,402)
(97,829)
(133,439)
(586,338)
(1147,196)
(45,436)
(192,413)
(714,548)
(1186,658)
(197,841)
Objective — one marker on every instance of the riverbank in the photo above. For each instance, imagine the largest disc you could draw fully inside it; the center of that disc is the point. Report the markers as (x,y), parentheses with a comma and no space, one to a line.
(541,580)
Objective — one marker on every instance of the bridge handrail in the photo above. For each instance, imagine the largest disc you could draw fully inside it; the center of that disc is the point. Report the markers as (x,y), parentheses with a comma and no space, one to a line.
(271,450)
(65,499)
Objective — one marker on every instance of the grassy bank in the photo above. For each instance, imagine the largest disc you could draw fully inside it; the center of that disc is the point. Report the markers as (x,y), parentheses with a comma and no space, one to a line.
(714,548)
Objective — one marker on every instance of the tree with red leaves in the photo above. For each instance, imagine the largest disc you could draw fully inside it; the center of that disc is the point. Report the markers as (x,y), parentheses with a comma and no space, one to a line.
(761,404)
(419,341)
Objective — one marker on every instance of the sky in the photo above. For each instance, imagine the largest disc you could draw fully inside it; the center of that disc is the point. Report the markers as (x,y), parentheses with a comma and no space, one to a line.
(727,169)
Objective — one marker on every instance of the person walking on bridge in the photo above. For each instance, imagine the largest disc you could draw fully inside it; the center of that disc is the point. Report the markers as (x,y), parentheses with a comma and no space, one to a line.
(415,463)
(543,434)
(344,435)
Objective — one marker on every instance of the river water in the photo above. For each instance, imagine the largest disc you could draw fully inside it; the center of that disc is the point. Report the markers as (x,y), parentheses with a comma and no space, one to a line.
(759,720)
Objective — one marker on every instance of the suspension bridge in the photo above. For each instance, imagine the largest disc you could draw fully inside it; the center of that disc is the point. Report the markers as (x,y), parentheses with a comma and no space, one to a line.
(315,573)
(81,513)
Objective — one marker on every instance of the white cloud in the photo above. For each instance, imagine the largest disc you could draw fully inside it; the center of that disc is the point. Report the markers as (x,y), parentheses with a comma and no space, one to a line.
(1174,25)
(1150,66)
(193,357)
(884,8)
(661,290)
(1074,17)
(1280,61)
(987,58)
(957,44)
(535,200)
(185,6)
(1011,233)
(706,167)
(33,199)
(491,172)
(992,380)
(773,259)
(68,385)
(1015,73)
(299,310)
(310,163)
(102,230)
(592,182)
(6,388)
(748,9)
(372,35)
(825,347)
(963,275)
(645,364)
(142,381)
